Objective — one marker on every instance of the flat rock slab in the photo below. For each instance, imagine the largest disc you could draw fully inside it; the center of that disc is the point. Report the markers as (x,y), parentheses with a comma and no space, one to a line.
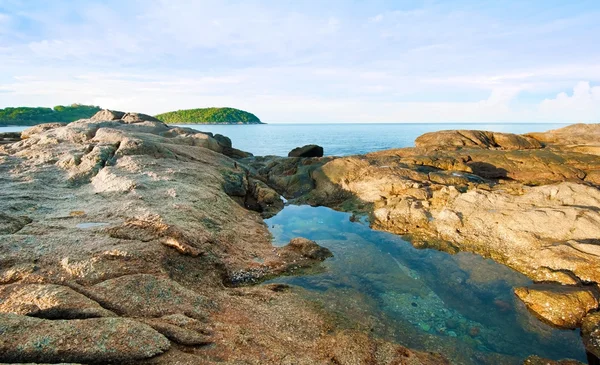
(49,301)
(96,340)
(144,295)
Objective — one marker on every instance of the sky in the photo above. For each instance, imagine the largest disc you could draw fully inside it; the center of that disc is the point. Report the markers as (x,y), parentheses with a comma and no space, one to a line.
(309,61)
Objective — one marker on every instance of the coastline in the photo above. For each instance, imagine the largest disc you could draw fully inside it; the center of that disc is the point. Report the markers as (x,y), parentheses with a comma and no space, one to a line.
(191,225)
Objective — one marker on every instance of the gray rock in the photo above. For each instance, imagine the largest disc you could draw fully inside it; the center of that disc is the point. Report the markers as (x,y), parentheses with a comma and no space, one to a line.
(223,140)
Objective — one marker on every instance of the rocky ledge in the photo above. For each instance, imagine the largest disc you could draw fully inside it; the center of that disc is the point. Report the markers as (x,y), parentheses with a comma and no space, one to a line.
(531,202)
(124,240)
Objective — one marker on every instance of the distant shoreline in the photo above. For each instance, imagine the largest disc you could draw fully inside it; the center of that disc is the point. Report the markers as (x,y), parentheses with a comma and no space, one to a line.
(216,123)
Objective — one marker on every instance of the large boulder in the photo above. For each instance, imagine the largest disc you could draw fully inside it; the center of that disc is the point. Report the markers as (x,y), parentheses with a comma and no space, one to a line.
(561,306)
(457,139)
(310,150)
(138,118)
(106,114)
(96,340)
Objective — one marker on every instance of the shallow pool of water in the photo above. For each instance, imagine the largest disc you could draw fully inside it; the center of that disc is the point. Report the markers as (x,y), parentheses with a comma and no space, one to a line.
(460,305)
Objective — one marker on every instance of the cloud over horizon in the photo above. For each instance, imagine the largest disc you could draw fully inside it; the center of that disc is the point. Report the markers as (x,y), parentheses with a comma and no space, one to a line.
(417,61)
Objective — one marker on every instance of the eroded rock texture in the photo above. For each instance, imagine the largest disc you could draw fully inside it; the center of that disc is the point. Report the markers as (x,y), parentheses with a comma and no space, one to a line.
(531,202)
(121,238)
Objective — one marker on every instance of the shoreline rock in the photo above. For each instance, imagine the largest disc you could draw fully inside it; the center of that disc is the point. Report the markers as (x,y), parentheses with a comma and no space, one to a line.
(531,202)
(139,226)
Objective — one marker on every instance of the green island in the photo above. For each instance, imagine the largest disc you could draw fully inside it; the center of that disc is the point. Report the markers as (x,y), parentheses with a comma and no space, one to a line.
(26,116)
(209,116)
(32,116)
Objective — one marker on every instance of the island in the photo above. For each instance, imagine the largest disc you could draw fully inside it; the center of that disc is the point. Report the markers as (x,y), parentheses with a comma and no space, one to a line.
(27,116)
(209,116)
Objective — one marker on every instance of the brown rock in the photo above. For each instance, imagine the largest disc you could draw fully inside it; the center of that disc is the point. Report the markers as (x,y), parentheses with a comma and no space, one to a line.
(137,118)
(561,306)
(309,249)
(455,139)
(575,134)
(590,331)
(97,340)
(48,301)
(353,347)
(37,129)
(149,296)
(106,114)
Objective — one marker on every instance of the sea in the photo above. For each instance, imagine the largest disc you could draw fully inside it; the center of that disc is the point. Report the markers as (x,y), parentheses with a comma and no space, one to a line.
(341,139)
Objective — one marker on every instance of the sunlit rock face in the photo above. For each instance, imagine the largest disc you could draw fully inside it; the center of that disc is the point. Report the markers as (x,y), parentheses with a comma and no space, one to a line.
(124,235)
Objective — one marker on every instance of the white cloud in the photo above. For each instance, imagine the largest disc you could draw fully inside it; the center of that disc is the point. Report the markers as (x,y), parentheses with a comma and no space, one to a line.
(582,105)
(310,63)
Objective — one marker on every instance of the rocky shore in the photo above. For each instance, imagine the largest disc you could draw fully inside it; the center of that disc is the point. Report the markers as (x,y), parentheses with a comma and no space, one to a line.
(125,240)
(530,202)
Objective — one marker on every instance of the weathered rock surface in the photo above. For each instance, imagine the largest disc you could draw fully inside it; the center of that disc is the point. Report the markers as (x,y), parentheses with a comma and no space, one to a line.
(96,340)
(531,202)
(456,139)
(575,134)
(300,253)
(144,295)
(37,129)
(48,301)
(125,218)
(590,331)
(561,306)
(310,150)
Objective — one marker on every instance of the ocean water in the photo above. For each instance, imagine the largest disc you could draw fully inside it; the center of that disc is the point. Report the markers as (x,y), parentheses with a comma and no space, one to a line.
(345,139)
(460,305)
(340,139)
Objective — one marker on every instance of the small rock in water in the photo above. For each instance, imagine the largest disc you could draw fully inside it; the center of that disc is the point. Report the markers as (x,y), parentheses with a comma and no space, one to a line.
(474,331)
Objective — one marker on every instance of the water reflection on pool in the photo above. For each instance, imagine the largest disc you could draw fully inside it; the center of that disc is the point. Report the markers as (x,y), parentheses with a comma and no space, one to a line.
(460,305)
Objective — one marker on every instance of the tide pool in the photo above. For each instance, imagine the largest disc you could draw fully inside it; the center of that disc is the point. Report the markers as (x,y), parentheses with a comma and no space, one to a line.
(460,305)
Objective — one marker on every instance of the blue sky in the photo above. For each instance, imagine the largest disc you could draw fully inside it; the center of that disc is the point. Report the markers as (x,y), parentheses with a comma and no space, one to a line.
(309,61)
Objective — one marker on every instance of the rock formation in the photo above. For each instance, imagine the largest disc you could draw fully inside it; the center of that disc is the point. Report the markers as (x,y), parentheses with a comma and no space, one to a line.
(124,240)
(310,150)
(531,202)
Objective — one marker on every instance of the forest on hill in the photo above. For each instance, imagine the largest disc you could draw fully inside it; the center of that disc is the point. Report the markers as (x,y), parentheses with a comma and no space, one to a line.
(37,115)
(209,116)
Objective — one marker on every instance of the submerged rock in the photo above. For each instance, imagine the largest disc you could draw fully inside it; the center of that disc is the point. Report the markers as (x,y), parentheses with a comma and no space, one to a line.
(310,150)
